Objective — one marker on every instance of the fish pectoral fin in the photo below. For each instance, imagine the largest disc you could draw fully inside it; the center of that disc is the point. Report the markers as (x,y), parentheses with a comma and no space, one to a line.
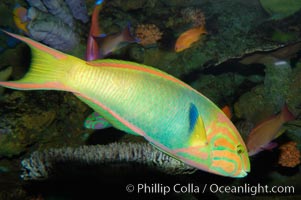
(197,129)
(96,121)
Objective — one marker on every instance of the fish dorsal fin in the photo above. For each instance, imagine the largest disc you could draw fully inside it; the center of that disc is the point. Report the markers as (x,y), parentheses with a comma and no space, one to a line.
(197,130)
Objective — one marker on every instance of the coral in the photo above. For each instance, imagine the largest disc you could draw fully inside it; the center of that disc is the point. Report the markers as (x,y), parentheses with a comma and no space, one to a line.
(252,107)
(294,95)
(281,84)
(55,22)
(19,127)
(148,34)
(217,87)
(290,155)
(266,99)
(194,16)
(39,118)
(65,10)
(78,9)
(278,74)
(51,30)
(42,164)
(59,9)
(37,4)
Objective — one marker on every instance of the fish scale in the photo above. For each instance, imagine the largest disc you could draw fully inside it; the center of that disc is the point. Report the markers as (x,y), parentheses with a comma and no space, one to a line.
(113,97)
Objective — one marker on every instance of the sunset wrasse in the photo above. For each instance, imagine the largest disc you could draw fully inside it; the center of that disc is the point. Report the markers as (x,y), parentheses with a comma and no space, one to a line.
(144,101)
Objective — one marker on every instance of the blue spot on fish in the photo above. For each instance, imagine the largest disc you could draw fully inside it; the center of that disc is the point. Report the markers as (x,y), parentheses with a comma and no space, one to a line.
(193,116)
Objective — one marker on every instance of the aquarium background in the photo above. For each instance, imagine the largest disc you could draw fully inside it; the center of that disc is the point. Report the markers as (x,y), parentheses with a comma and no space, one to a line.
(244,55)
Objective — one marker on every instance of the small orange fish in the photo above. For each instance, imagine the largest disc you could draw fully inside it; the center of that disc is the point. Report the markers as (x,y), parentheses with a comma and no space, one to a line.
(20,18)
(186,39)
(261,136)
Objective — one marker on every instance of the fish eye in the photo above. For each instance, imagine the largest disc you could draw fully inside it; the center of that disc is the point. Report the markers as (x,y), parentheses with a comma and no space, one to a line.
(240,149)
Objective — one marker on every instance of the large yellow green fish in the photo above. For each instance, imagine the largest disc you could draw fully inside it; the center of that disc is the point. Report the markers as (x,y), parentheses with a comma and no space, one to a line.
(144,101)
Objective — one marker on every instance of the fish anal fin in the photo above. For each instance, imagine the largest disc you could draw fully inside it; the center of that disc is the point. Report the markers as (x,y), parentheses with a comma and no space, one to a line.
(269,146)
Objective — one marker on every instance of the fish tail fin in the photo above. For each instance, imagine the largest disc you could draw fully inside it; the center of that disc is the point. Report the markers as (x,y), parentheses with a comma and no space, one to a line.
(286,114)
(127,35)
(48,70)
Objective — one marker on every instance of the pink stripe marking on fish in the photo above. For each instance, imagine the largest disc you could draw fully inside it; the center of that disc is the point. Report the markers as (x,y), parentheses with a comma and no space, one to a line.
(118,117)
(40,46)
(50,85)
(219,129)
(193,151)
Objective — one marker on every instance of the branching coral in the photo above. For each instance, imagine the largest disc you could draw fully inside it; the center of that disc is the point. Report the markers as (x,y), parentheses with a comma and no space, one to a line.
(148,34)
(290,155)
(41,165)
